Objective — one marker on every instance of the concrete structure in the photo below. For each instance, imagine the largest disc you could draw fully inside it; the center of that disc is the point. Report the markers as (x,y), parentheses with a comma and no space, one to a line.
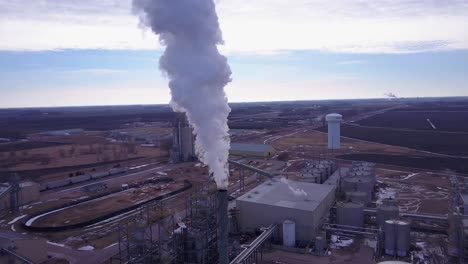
(318,171)
(358,197)
(183,146)
(350,214)
(403,238)
(255,150)
(31,248)
(397,237)
(390,230)
(273,202)
(334,123)
(386,211)
(29,192)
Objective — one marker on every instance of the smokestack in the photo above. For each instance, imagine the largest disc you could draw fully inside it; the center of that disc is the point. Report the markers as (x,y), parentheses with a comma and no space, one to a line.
(197,72)
(223,227)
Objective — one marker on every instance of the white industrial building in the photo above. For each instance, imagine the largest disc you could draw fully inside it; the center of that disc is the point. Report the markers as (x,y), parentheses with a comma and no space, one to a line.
(334,123)
(274,202)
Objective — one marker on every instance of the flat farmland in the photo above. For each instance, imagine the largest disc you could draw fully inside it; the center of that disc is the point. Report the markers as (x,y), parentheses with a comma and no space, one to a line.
(428,163)
(414,118)
(433,141)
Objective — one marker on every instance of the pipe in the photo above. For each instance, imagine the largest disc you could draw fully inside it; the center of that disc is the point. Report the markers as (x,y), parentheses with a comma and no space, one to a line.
(223,227)
(247,167)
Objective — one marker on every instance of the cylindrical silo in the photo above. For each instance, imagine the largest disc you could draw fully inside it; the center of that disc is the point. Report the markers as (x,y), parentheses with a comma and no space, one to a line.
(403,238)
(386,211)
(350,214)
(334,123)
(359,197)
(356,183)
(320,245)
(389,202)
(289,233)
(390,230)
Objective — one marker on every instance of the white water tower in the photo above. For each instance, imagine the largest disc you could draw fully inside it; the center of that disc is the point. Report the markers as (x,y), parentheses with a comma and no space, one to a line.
(334,123)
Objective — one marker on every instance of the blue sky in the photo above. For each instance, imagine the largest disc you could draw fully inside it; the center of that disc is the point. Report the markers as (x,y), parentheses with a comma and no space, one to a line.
(93,52)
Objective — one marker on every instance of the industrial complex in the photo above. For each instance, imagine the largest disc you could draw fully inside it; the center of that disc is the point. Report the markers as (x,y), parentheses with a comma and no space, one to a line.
(291,198)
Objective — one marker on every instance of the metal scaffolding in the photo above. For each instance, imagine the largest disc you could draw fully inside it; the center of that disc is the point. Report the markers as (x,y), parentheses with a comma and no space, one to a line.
(147,236)
(196,238)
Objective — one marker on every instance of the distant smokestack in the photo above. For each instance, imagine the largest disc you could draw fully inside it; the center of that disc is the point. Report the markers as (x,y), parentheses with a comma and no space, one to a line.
(197,72)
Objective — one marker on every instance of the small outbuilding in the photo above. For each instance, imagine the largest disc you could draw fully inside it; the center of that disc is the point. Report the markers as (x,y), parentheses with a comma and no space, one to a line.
(255,150)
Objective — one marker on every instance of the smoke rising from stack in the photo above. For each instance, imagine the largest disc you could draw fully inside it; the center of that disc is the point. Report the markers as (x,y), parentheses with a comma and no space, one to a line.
(197,72)
(299,193)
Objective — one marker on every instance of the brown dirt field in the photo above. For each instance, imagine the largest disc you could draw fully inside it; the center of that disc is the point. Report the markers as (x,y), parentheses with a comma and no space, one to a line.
(423,192)
(105,205)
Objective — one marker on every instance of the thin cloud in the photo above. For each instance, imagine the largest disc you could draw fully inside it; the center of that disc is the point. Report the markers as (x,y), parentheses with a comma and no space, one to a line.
(352,62)
(260,26)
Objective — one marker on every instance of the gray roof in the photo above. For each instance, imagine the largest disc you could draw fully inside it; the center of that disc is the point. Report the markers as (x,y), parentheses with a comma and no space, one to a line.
(277,193)
(249,147)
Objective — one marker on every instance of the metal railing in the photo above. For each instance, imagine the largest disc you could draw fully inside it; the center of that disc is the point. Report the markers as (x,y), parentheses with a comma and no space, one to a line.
(249,254)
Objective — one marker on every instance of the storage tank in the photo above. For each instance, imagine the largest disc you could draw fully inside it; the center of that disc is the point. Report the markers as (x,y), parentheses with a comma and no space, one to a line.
(289,233)
(320,245)
(334,123)
(387,211)
(403,238)
(350,214)
(360,197)
(389,202)
(390,230)
(362,184)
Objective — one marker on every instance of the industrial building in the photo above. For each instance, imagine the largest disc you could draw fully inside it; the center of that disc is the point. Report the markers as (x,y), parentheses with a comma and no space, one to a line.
(255,150)
(183,146)
(274,202)
(334,123)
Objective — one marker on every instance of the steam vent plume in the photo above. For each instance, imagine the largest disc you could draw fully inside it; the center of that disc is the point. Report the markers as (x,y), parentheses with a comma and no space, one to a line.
(197,72)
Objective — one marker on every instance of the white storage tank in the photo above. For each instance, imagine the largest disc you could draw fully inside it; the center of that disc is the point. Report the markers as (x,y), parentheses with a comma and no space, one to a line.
(334,123)
(289,233)
(403,238)
(390,230)
(350,214)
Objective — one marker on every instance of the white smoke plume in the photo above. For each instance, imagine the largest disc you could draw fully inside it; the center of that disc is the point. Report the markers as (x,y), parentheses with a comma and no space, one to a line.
(197,72)
(390,95)
(298,192)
